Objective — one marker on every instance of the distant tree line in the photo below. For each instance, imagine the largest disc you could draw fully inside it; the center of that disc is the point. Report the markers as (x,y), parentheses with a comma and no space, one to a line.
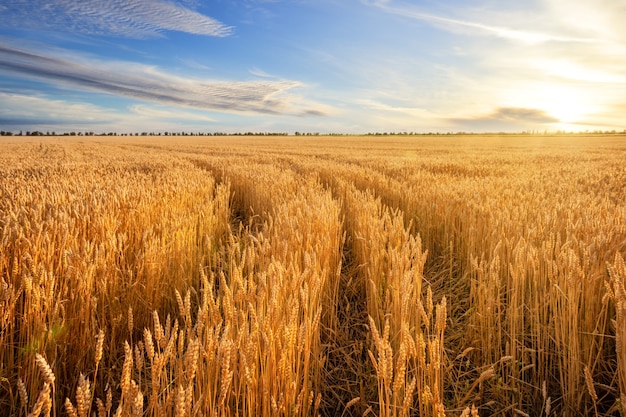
(297,133)
(72,133)
(522,133)
(38,133)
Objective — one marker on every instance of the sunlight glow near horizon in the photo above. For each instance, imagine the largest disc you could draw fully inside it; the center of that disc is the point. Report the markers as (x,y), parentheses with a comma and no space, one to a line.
(312,66)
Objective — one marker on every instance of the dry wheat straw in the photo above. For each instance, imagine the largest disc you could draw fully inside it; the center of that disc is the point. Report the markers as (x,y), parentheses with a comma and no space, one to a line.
(515,235)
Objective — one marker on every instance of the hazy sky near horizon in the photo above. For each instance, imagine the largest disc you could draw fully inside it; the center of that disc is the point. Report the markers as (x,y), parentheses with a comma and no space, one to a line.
(345,66)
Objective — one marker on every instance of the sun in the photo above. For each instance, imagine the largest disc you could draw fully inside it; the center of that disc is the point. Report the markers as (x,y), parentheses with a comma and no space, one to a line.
(569,105)
(570,92)
(565,105)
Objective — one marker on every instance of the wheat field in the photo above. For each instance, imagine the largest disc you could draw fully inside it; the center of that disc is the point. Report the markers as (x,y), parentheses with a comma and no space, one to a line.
(333,276)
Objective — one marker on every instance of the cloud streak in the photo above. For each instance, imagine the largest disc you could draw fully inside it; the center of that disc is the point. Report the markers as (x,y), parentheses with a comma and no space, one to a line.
(149,83)
(524,36)
(508,118)
(168,114)
(125,18)
(516,114)
(19,111)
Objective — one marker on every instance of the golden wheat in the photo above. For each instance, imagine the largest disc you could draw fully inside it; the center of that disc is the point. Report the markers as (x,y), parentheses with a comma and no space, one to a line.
(393,276)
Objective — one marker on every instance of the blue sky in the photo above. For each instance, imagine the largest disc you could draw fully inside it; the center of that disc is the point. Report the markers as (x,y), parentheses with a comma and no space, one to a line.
(344,66)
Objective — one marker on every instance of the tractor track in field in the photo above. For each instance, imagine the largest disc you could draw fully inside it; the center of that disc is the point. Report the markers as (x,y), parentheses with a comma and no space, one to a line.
(349,377)
(348,373)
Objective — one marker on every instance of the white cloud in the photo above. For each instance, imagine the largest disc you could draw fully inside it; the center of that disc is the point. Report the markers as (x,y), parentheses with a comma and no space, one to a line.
(38,112)
(259,73)
(569,70)
(414,112)
(16,109)
(125,18)
(149,83)
(192,63)
(601,18)
(454,24)
(168,113)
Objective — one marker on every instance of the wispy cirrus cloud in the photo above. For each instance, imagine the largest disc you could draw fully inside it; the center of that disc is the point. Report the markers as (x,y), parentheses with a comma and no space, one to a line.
(34,110)
(153,112)
(125,18)
(451,23)
(51,114)
(259,73)
(149,83)
(601,18)
(571,70)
